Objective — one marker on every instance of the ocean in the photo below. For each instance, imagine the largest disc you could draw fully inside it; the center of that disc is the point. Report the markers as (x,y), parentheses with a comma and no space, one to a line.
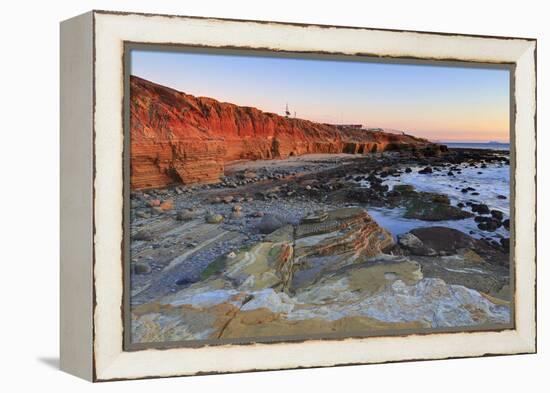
(467,145)
(490,183)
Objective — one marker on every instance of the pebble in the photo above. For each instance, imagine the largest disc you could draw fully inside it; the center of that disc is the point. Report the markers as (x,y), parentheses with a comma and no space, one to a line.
(214,218)
(154,202)
(141,268)
(235,215)
(185,215)
(143,235)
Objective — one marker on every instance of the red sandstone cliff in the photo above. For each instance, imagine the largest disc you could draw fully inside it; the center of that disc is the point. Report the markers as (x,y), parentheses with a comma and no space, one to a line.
(179,138)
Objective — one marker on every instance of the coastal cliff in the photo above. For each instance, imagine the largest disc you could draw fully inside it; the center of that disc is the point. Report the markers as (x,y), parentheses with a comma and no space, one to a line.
(179,138)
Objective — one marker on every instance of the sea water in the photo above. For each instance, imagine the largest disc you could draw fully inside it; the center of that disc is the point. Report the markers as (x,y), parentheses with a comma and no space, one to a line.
(477,145)
(489,182)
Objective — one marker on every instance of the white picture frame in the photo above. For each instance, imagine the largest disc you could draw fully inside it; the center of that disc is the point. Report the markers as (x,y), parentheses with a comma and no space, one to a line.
(92,198)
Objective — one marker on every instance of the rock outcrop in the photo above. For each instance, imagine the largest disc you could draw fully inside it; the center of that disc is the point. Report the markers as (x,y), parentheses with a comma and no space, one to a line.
(390,293)
(179,138)
(458,258)
(436,240)
(326,274)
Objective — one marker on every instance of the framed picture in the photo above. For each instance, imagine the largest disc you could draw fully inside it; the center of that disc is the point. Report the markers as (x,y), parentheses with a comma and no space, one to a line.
(245,195)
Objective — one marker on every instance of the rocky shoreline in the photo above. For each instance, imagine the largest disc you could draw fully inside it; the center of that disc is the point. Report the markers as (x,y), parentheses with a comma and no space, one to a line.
(289,247)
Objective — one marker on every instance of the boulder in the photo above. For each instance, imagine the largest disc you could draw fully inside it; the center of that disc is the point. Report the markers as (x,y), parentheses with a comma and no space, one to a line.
(480,208)
(270,223)
(431,207)
(414,245)
(425,170)
(449,241)
(497,214)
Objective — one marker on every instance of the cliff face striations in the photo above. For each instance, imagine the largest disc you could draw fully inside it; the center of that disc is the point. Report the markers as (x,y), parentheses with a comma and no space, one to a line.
(179,138)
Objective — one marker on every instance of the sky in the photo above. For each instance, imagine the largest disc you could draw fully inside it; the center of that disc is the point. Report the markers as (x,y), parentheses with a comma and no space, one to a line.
(440,103)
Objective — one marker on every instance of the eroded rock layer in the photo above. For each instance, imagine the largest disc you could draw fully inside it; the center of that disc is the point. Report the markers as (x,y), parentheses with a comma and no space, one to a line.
(326,274)
(179,138)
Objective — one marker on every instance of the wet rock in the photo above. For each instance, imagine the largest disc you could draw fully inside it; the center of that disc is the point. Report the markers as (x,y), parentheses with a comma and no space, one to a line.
(489,225)
(443,240)
(506,224)
(497,214)
(408,170)
(403,188)
(480,208)
(432,207)
(379,187)
(502,197)
(414,245)
(449,241)
(426,170)
(373,179)
(469,269)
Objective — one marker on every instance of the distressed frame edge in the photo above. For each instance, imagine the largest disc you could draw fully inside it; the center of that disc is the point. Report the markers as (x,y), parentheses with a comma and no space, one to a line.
(76,196)
(303,24)
(526,339)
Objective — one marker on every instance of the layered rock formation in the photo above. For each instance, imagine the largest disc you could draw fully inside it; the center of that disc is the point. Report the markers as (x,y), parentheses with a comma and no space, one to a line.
(326,274)
(179,138)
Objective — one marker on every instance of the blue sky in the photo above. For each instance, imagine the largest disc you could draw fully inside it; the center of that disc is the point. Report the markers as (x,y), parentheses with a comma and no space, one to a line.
(438,102)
